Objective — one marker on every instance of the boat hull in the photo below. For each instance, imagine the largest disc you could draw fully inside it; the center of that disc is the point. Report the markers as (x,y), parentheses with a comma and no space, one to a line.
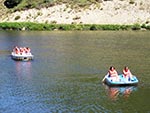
(26,57)
(122,81)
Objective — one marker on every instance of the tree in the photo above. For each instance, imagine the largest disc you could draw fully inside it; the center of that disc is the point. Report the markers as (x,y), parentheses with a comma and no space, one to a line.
(11,3)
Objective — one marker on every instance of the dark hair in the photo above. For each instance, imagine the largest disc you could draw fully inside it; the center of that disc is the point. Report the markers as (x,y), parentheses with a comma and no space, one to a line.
(111,67)
(125,67)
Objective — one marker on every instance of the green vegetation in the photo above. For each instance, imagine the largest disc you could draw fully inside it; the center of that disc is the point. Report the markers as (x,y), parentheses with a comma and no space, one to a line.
(11,3)
(67,27)
(17,17)
(136,27)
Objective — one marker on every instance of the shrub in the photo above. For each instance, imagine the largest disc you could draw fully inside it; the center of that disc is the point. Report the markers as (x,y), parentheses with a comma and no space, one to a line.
(76,18)
(110,27)
(125,27)
(143,26)
(93,27)
(11,3)
(148,27)
(54,22)
(136,27)
(17,17)
(131,2)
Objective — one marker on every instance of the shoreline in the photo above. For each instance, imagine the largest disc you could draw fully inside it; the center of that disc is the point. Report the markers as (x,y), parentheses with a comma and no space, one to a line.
(31,26)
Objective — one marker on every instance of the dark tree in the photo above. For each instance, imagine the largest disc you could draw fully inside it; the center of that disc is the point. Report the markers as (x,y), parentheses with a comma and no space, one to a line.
(11,3)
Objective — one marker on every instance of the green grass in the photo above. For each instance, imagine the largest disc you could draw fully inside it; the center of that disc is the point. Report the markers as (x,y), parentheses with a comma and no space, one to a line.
(66,27)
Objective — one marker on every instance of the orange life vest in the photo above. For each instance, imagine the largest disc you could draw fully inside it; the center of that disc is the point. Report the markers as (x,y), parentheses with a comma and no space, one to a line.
(113,73)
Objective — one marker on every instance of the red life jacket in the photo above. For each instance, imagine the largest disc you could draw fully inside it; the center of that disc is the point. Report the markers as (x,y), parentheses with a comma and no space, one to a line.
(126,72)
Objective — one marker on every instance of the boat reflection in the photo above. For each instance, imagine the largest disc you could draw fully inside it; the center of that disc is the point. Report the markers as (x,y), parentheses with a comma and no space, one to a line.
(23,69)
(116,92)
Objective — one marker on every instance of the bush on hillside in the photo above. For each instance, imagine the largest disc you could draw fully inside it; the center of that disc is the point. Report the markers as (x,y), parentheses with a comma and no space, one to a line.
(11,3)
(136,27)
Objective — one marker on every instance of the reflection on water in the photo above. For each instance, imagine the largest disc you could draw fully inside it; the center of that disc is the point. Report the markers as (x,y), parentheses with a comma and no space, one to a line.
(114,92)
(23,69)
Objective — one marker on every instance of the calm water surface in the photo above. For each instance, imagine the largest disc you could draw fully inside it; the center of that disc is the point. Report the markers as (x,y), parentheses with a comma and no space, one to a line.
(66,74)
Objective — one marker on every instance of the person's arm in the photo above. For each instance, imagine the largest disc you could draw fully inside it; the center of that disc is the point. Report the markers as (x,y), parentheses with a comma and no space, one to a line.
(130,74)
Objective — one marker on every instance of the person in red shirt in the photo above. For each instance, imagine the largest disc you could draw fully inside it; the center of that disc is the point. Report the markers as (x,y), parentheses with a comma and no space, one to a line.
(126,72)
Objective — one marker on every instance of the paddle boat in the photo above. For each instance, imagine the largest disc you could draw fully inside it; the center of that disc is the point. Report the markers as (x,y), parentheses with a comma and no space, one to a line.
(122,81)
(21,54)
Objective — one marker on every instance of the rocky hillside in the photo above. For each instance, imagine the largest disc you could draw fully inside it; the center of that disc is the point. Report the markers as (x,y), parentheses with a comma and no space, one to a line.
(3,9)
(89,12)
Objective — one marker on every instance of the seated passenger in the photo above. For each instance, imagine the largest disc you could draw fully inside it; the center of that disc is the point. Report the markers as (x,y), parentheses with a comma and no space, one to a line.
(113,73)
(28,50)
(126,72)
(21,50)
(16,50)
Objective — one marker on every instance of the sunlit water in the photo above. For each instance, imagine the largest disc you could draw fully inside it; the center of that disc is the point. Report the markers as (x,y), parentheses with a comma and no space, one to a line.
(66,73)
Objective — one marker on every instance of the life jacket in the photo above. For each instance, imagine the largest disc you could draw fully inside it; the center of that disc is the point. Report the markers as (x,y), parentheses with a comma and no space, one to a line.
(25,50)
(29,50)
(113,73)
(126,72)
(17,50)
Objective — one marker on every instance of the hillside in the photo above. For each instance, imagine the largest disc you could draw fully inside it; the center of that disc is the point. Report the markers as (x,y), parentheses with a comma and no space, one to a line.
(79,12)
(3,9)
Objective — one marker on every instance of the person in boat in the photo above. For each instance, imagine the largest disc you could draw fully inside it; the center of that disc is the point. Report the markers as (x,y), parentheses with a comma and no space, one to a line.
(21,50)
(16,50)
(25,51)
(28,50)
(127,73)
(113,73)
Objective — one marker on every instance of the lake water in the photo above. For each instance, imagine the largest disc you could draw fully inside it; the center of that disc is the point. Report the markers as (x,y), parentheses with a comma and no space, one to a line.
(68,67)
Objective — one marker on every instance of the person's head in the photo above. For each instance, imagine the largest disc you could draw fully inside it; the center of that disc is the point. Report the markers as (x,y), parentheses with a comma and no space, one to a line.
(112,68)
(126,68)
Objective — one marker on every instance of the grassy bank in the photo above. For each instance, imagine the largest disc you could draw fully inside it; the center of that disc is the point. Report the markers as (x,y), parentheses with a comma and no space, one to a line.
(67,27)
